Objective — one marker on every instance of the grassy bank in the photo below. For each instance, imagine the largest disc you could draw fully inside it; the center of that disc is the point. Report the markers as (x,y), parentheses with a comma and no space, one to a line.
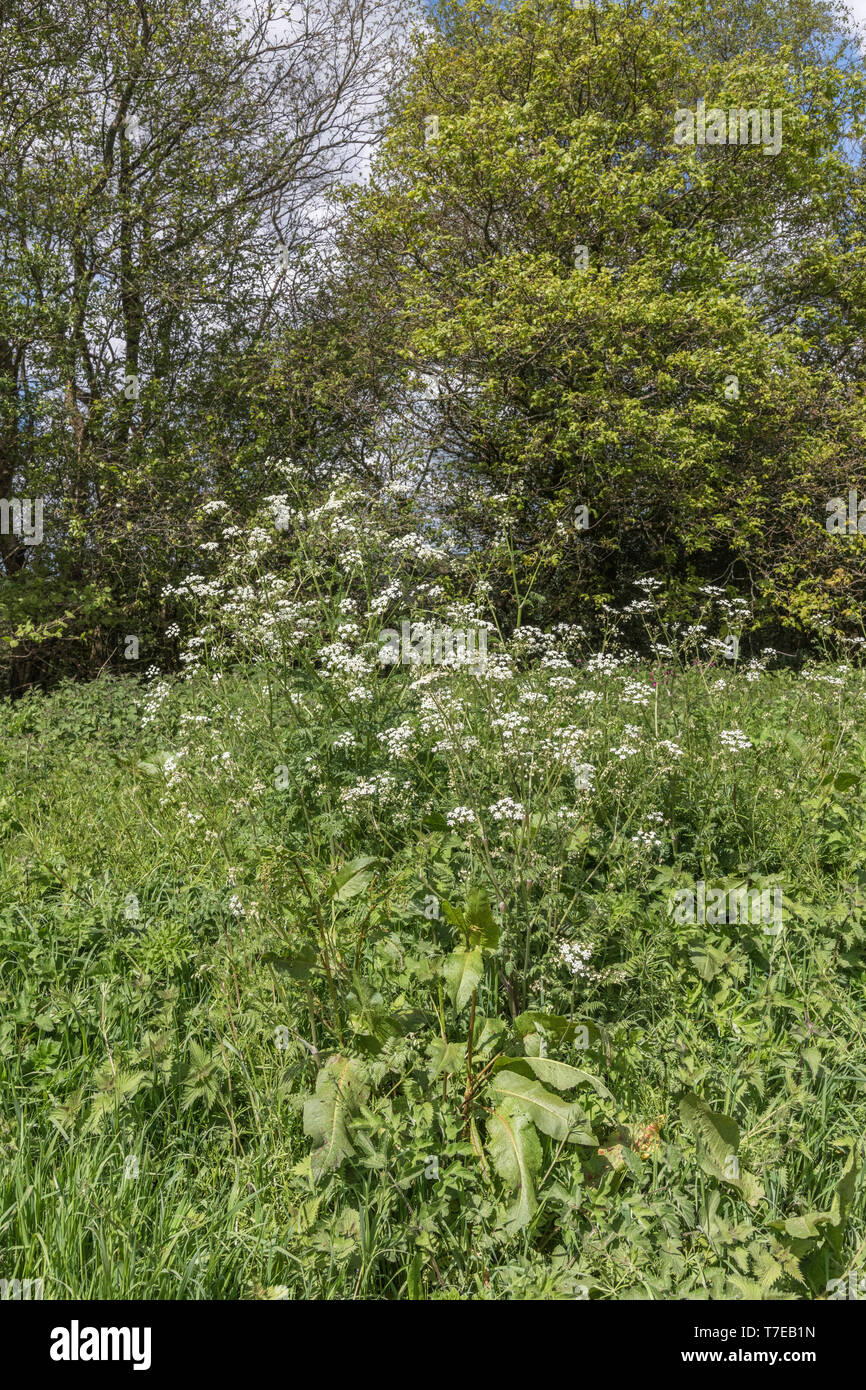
(327,978)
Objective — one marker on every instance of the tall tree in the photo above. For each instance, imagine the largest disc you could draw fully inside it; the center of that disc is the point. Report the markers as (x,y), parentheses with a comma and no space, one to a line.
(162,171)
(670,333)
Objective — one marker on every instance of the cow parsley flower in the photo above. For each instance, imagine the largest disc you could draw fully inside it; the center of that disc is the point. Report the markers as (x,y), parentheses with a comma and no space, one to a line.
(626,749)
(576,957)
(672,749)
(735,740)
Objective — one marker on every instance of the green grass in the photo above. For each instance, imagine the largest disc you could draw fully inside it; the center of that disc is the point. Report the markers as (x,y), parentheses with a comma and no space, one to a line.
(181,960)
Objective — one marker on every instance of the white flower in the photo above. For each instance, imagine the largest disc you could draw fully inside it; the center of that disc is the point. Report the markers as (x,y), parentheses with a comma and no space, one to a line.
(633,736)
(417,547)
(636,693)
(584,776)
(358,792)
(735,740)
(576,957)
(382,786)
(398,740)
(605,663)
(236,907)
(506,809)
(461,815)
(384,600)
(645,839)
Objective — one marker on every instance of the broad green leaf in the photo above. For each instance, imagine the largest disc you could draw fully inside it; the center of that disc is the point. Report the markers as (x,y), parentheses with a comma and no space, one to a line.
(561,1075)
(805,1227)
(535,1028)
(719,1134)
(297,965)
(463,971)
(558,1118)
(707,960)
(515,1152)
(453,915)
(352,878)
(844,781)
(718,1138)
(446,1056)
(479,915)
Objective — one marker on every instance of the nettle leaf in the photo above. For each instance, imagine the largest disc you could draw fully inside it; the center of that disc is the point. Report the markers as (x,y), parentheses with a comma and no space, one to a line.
(353,878)
(463,971)
(341,1089)
(708,960)
(114,1089)
(844,1193)
(561,1075)
(558,1118)
(515,1153)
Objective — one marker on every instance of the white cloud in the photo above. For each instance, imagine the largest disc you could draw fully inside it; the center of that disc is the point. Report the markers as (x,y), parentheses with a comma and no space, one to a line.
(858,10)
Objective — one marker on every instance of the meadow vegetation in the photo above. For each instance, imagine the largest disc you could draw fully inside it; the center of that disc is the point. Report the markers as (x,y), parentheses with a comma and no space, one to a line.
(323,976)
